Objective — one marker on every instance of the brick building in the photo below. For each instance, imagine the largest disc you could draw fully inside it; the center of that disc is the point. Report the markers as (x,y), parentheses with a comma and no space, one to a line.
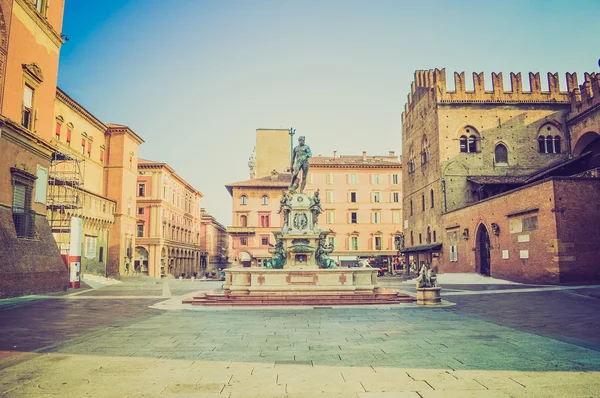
(168,224)
(360,195)
(486,187)
(30,43)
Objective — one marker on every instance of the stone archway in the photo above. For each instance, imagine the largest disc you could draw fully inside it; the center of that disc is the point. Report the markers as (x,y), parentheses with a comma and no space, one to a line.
(482,243)
(587,142)
(140,264)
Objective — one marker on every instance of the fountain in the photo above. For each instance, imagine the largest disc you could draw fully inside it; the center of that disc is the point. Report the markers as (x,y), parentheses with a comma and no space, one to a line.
(300,271)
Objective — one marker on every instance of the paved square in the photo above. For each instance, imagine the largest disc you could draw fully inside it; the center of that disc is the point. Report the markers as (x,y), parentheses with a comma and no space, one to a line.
(399,351)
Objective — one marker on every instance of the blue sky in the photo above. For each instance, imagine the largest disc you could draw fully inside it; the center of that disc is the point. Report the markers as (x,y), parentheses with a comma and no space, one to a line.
(196,78)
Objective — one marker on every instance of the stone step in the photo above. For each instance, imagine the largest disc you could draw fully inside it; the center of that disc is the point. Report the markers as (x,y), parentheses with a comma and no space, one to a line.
(212,299)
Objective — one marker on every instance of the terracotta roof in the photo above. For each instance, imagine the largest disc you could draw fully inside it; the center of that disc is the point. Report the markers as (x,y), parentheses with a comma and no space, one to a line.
(356,161)
(498,179)
(280,180)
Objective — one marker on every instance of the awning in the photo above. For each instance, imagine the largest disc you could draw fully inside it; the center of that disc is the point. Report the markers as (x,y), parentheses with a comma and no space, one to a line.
(434,247)
(245,256)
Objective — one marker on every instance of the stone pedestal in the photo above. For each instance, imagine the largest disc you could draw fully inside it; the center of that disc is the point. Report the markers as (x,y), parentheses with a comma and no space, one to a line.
(429,296)
(299,281)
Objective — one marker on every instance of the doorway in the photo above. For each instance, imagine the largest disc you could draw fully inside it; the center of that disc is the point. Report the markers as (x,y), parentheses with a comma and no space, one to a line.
(483,246)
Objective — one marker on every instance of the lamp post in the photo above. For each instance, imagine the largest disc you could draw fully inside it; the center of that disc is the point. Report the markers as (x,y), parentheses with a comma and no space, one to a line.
(292,132)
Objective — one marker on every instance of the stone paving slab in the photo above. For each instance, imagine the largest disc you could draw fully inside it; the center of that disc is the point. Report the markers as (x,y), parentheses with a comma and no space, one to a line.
(80,375)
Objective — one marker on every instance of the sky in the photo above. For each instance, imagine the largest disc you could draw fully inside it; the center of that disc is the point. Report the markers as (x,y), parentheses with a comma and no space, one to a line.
(196,78)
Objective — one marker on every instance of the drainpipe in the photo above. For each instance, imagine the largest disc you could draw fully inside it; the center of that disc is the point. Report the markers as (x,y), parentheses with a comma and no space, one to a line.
(444,194)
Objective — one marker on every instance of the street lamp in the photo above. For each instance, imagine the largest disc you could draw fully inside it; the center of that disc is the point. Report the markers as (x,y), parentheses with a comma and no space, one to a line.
(292,132)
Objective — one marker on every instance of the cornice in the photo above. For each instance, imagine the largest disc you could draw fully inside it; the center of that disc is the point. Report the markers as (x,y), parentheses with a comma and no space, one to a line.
(52,34)
(80,110)
(26,139)
(355,166)
(111,129)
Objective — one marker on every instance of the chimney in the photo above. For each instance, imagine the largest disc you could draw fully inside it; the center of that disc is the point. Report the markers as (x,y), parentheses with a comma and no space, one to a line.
(364,156)
(335,154)
(392,153)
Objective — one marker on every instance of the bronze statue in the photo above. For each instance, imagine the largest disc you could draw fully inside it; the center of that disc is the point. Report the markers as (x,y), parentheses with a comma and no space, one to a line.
(279,257)
(300,157)
(322,255)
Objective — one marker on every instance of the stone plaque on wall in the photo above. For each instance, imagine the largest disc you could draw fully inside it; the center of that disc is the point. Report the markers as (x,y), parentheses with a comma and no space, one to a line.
(515,225)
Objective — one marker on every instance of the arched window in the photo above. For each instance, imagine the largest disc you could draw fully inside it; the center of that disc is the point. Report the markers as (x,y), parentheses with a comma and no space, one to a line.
(243,221)
(244,199)
(434,237)
(542,144)
(411,208)
(549,139)
(428,234)
(411,161)
(420,239)
(501,154)
(463,144)
(423,202)
(412,238)
(472,144)
(265,199)
(432,198)
(469,138)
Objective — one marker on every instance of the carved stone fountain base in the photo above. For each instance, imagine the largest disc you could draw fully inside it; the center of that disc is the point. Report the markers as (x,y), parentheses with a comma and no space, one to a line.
(299,280)
(300,286)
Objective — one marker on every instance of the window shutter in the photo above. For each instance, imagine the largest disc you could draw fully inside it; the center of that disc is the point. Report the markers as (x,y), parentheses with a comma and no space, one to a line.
(68,135)
(58,129)
(41,185)
(101,156)
(89,148)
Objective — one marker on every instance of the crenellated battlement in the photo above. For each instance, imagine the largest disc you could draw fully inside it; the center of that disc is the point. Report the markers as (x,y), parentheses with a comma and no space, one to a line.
(435,81)
(586,96)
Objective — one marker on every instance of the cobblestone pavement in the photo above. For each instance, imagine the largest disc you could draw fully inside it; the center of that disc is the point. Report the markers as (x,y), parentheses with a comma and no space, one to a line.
(108,343)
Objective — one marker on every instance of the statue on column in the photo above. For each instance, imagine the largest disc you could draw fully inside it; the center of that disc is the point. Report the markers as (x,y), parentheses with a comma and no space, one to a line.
(300,156)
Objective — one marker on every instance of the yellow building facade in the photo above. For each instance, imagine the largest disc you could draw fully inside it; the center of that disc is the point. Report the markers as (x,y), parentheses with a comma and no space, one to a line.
(361,197)
(168,223)
(76,186)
